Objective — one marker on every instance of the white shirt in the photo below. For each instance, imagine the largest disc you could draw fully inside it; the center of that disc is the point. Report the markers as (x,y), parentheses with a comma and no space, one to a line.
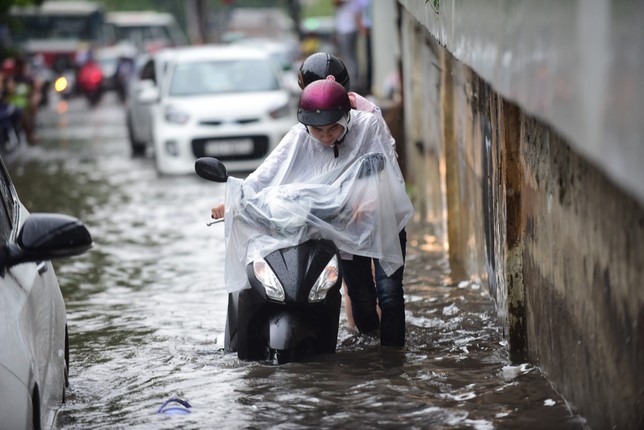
(346,16)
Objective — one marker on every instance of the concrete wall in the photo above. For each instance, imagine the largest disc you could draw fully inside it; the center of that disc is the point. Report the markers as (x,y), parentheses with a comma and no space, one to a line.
(575,65)
(555,235)
(582,266)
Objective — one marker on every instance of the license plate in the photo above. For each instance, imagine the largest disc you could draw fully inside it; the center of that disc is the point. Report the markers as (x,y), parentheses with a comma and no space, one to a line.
(228,147)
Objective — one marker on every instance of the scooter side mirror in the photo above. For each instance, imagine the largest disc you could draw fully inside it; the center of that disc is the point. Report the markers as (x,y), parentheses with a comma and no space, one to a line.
(211,169)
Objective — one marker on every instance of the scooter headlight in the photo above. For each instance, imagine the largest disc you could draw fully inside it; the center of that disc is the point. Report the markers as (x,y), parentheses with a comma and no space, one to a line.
(325,281)
(265,275)
(61,84)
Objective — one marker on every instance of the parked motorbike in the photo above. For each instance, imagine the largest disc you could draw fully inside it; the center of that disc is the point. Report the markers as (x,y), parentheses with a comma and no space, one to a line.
(292,308)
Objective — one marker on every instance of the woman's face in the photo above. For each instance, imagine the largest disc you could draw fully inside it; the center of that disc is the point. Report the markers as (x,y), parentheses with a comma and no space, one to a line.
(326,134)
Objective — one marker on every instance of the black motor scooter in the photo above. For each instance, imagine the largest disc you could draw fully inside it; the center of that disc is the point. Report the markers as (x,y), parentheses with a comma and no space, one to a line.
(292,308)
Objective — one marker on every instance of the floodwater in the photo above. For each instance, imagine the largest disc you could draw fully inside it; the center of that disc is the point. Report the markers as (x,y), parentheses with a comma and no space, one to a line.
(146,314)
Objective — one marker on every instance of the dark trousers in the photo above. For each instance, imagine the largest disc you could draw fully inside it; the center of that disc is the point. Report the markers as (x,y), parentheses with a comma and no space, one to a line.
(387,293)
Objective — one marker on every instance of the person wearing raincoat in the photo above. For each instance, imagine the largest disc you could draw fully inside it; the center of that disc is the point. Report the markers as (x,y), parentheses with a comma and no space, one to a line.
(334,175)
(322,65)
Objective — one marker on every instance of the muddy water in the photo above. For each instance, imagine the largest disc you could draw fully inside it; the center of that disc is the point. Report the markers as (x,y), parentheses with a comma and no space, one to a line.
(146,313)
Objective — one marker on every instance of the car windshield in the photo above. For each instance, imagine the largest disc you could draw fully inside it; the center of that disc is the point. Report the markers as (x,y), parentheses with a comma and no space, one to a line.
(218,77)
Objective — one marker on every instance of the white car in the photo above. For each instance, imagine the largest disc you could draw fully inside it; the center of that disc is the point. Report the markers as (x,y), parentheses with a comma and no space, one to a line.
(34,357)
(227,102)
(284,53)
(149,69)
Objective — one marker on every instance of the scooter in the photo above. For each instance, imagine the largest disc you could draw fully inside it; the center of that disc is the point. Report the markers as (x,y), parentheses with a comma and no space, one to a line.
(65,84)
(292,309)
(91,82)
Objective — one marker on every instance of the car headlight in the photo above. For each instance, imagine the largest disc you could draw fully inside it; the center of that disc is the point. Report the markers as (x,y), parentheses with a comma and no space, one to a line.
(280,112)
(265,275)
(175,115)
(327,279)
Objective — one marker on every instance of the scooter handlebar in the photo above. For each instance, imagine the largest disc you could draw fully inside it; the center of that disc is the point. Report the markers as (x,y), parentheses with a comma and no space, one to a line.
(215,221)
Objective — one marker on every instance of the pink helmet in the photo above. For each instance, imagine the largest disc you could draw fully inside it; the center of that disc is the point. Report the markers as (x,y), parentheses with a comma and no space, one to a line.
(323,102)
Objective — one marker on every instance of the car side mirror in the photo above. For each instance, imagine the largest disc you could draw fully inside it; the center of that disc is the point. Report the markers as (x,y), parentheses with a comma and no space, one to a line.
(45,237)
(148,95)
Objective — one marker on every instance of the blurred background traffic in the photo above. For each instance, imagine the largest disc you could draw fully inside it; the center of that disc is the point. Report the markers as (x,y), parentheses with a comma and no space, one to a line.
(53,51)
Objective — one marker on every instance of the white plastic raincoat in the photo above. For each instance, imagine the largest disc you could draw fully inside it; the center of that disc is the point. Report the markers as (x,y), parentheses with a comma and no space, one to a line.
(303,191)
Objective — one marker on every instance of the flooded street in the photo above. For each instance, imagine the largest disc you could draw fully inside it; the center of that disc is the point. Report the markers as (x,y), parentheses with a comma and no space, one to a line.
(146,313)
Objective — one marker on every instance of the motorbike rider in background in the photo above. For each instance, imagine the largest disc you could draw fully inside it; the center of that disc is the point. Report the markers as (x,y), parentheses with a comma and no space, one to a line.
(24,92)
(10,118)
(331,137)
(90,78)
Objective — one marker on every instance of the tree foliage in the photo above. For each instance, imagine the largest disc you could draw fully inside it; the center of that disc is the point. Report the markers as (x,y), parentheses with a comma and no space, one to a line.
(5,5)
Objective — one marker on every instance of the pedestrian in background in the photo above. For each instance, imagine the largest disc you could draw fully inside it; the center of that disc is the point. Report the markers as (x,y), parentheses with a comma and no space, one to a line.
(365,31)
(24,92)
(348,20)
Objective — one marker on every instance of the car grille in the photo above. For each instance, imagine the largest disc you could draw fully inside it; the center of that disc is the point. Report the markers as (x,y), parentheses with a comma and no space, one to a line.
(241,121)
(258,149)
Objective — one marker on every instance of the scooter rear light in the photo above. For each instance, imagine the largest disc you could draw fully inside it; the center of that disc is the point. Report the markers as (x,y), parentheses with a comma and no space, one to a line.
(265,275)
(95,77)
(327,279)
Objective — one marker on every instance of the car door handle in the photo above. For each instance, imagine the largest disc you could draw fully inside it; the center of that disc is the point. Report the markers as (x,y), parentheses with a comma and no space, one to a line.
(42,267)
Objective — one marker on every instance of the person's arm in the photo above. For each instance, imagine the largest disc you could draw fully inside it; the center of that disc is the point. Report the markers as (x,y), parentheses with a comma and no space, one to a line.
(377,132)
(363,104)
(266,172)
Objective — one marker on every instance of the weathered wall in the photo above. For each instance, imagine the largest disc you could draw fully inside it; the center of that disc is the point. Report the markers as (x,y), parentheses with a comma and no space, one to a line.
(425,155)
(582,265)
(575,65)
(556,239)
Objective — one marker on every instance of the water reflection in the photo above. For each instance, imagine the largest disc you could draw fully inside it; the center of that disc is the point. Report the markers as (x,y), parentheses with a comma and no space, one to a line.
(146,311)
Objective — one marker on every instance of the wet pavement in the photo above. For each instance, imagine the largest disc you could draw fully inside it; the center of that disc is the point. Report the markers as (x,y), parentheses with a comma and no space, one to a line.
(146,314)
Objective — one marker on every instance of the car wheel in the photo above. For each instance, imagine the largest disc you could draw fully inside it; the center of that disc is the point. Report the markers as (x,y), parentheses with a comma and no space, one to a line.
(66,357)
(138,148)
(160,173)
(35,408)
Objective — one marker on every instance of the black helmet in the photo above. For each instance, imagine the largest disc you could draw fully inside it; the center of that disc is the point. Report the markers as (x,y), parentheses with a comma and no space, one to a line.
(323,102)
(320,65)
